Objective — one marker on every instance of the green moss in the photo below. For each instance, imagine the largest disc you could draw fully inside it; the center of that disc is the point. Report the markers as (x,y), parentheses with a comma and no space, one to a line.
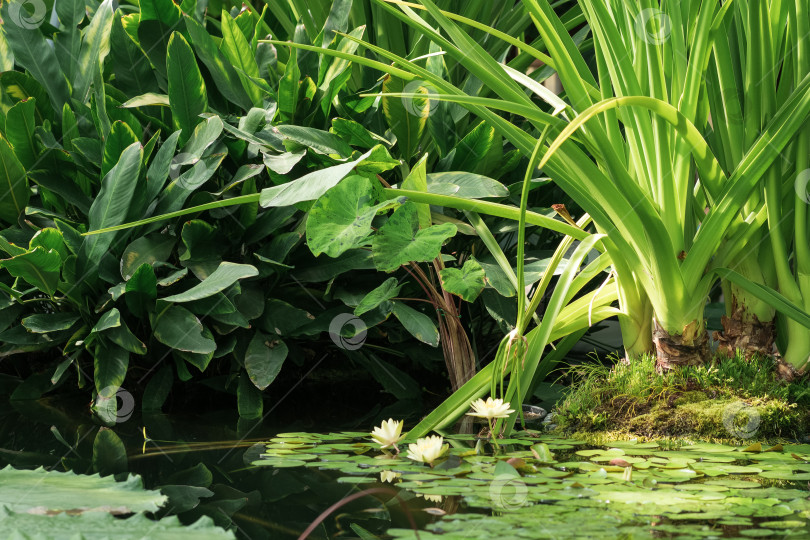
(727,400)
(690,397)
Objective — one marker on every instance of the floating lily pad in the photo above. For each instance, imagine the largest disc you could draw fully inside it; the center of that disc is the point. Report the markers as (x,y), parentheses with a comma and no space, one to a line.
(48,492)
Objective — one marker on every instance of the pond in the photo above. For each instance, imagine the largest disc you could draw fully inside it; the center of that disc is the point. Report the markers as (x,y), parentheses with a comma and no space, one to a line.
(264,481)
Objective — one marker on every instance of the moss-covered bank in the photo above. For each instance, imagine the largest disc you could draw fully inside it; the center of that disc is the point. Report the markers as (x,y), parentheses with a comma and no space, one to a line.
(728,399)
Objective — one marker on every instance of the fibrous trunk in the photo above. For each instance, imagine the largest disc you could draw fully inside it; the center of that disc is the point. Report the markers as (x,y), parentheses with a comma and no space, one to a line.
(745,332)
(689,348)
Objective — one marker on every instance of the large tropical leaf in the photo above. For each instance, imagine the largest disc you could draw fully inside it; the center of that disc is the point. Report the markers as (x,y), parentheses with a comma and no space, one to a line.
(112,203)
(187,93)
(14,194)
(401,241)
(65,491)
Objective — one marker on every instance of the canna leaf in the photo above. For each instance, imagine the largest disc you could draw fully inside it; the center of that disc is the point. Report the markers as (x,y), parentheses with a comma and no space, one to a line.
(385,292)
(20,126)
(407,117)
(237,50)
(38,267)
(263,359)
(14,183)
(416,323)
(178,328)
(224,276)
(187,92)
(111,205)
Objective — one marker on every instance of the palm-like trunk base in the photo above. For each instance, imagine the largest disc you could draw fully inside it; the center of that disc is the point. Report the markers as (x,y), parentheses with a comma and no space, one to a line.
(746,333)
(786,372)
(690,348)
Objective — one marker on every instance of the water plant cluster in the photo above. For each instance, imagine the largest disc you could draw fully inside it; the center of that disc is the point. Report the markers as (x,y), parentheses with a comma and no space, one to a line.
(555,487)
(224,199)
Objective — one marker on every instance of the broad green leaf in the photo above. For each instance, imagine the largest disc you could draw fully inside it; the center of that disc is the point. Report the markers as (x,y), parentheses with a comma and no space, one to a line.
(49,238)
(237,50)
(157,389)
(355,134)
(248,399)
(417,180)
(179,189)
(473,148)
(147,99)
(111,205)
(13,184)
(37,267)
(416,323)
(283,163)
(222,71)
(407,117)
(119,139)
(146,250)
(124,338)
(388,290)
(110,319)
(263,359)
(466,282)
(72,493)
(111,364)
(95,47)
(319,141)
(42,323)
(178,328)
(401,241)
(187,93)
(109,453)
(164,11)
(141,290)
(20,126)
(288,88)
(32,52)
(465,185)
(205,134)
(133,74)
(153,37)
(105,525)
(224,276)
(159,169)
(308,187)
(341,218)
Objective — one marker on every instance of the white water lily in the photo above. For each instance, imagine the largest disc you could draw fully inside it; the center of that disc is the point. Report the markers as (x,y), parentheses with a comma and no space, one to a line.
(428,449)
(388,434)
(431,498)
(491,408)
(389,476)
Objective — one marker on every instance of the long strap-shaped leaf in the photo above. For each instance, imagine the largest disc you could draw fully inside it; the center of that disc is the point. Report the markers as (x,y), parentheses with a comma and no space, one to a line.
(543,335)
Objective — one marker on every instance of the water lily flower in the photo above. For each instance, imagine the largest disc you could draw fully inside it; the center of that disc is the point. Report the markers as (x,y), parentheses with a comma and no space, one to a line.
(388,434)
(389,476)
(491,408)
(431,498)
(428,449)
